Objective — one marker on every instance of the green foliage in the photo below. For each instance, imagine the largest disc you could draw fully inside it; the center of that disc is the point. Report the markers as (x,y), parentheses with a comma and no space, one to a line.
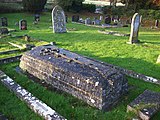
(89,7)
(74,5)
(34,5)
(150,14)
(10,7)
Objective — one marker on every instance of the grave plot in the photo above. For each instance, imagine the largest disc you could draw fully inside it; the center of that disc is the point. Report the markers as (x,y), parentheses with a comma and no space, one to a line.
(98,85)
(10,47)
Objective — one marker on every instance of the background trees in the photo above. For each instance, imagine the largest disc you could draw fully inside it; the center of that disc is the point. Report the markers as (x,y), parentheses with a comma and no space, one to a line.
(34,5)
(75,5)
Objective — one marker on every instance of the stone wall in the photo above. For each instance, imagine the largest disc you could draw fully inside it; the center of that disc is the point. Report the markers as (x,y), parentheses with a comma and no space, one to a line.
(91,81)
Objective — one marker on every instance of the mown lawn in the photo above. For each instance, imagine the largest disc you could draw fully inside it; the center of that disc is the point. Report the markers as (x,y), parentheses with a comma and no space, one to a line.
(85,41)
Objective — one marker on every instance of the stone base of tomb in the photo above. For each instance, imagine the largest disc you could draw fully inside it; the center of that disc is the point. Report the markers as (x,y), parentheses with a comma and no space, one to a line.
(145,105)
(91,81)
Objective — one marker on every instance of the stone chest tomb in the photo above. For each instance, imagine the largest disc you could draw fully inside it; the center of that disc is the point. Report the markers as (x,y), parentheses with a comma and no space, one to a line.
(89,80)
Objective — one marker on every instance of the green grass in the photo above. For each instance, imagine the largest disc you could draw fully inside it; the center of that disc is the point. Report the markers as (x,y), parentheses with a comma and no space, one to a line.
(5,46)
(68,106)
(85,41)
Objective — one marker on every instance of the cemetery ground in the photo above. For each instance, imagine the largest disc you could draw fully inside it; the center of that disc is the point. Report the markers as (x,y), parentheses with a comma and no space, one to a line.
(86,41)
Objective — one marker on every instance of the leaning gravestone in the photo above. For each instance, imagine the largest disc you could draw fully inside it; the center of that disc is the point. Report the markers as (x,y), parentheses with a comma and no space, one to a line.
(58,20)
(134,29)
(4,21)
(91,81)
(23,24)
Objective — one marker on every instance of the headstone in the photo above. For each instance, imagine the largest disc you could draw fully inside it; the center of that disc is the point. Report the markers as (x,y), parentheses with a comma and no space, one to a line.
(81,20)
(75,18)
(66,18)
(146,104)
(27,38)
(3,31)
(92,81)
(141,19)
(156,23)
(2,117)
(58,20)
(97,22)
(37,17)
(158,59)
(16,23)
(4,21)
(134,29)
(88,21)
(107,19)
(101,18)
(23,24)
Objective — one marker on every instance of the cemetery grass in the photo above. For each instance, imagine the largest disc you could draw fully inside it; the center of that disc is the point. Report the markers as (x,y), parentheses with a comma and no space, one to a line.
(86,41)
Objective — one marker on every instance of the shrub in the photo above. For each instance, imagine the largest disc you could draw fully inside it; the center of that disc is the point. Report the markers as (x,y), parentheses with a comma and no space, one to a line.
(150,14)
(89,7)
(10,7)
(34,5)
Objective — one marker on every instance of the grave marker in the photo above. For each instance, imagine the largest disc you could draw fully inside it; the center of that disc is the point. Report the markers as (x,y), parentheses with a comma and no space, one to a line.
(75,18)
(4,21)
(23,24)
(37,17)
(146,104)
(107,20)
(134,29)
(3,31)
(58,20)
(101,18)
(156,23)
(88,21)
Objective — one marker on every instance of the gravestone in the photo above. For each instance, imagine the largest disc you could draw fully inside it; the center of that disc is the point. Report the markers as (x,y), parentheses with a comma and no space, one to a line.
(156,23)
(23,24)
(158,59)
(4,21)
(37,17)
(91,81)
(97,22)
(145,105)
(75,18)
(81,20)
(101,18)
(141,19)
(58,20)
(88,21)
(66,18)
(107,19)
(134,29)
(3,31)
